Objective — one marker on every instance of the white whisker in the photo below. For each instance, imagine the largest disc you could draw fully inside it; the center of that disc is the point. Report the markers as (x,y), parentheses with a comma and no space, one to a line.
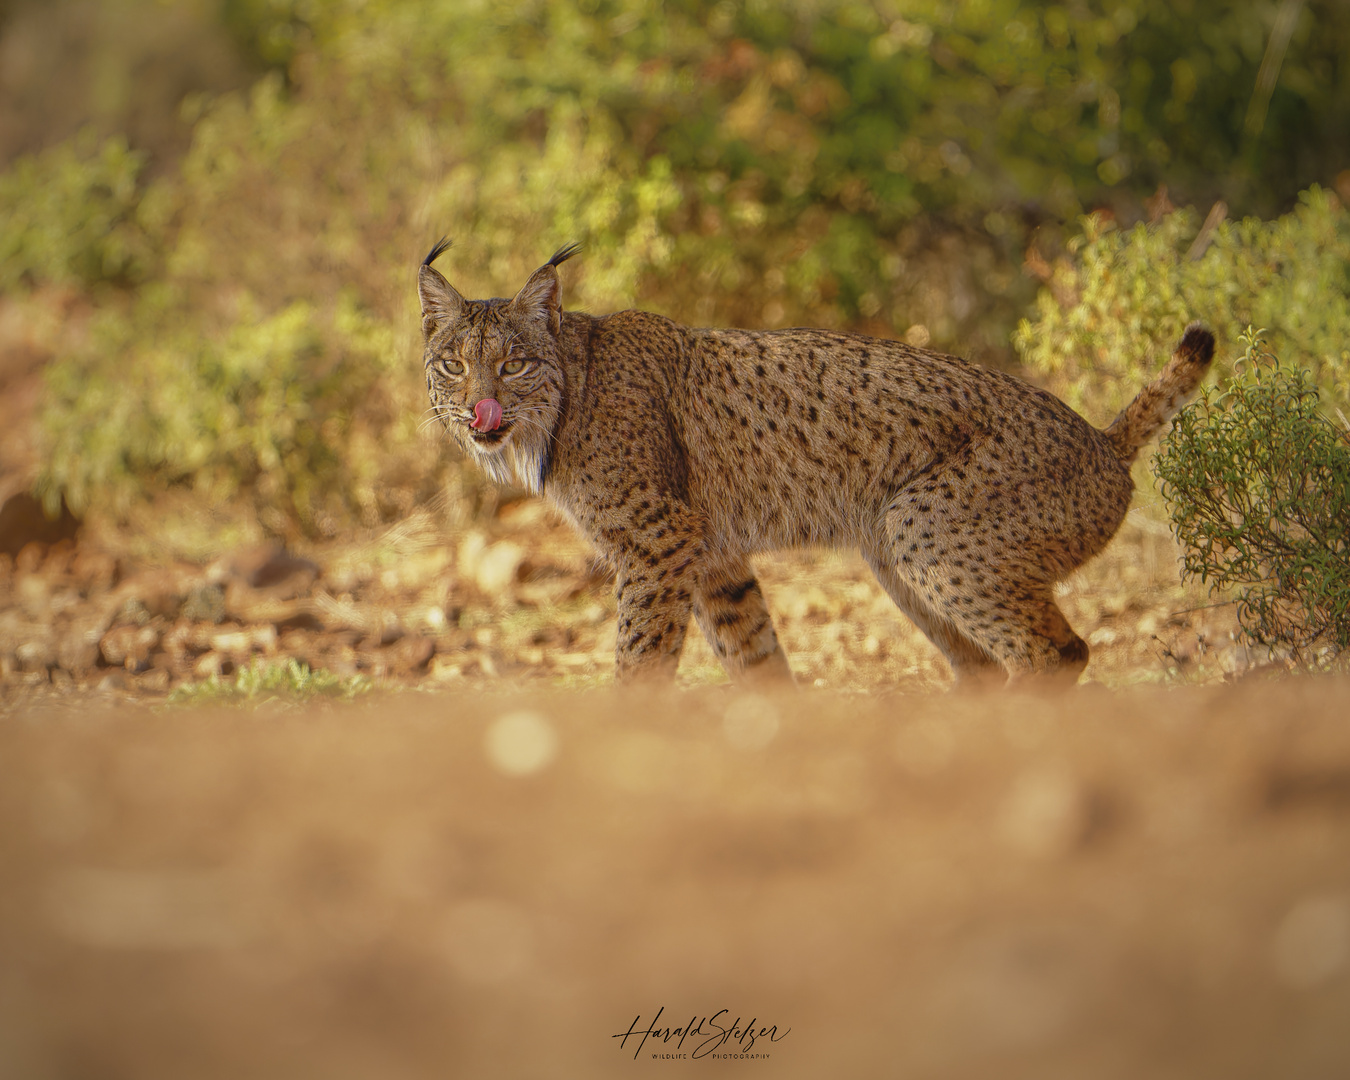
(526,420)
(438,412)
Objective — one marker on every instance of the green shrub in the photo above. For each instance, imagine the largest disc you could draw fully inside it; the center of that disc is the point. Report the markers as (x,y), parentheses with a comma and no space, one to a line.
(78,215)
(292,409)
(265,360)
(1118,305)
(1258,483)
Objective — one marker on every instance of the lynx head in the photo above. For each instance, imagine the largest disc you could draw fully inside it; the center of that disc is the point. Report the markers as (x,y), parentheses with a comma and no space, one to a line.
(494,374)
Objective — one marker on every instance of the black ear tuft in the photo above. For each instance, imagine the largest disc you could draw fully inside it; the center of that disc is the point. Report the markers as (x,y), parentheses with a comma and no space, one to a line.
(442,246)
(563,254)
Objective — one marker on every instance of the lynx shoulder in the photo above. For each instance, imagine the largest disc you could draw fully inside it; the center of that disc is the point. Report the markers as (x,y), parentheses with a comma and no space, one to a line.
(681,452)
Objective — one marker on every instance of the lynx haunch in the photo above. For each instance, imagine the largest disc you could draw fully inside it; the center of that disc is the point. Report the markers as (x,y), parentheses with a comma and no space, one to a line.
(682,452)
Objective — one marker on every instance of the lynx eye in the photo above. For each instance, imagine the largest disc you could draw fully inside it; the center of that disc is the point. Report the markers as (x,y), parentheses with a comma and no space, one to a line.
(452,367)
(513,367)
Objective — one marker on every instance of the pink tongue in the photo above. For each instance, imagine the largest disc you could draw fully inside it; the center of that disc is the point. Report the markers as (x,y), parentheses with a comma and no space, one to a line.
(487,415)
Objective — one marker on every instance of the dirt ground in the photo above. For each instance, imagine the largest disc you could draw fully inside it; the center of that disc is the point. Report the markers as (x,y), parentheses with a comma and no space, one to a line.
(1141,882)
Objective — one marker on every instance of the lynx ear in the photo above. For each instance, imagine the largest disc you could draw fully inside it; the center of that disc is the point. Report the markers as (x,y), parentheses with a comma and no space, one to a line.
(541,298)
(440,302)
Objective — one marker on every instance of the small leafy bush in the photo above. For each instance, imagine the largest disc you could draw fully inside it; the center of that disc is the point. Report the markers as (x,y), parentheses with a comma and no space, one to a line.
(288,409)
(1258,483)
(1119,304)
(78,215)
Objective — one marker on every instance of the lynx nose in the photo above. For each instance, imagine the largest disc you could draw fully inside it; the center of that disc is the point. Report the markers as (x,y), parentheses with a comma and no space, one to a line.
(487,415)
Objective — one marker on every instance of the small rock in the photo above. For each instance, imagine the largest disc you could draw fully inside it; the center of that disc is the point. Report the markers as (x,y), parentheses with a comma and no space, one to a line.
(114,682)
(498,566)
(244,641)
(233,642)
(210,664)
(133,611)
(34,596)
(78,653)
(271,564)
(29,558)
(93,571)
(129,646)
(37,655)
(155,681)
(443,669)
(205,603)
(77,646)
(412,653)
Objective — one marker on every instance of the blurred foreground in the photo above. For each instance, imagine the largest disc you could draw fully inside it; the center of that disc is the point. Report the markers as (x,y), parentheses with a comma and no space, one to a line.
(1137,883)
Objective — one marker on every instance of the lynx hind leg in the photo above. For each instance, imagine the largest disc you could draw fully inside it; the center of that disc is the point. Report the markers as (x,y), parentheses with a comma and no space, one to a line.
(993,588)
(970,664)
(733,616)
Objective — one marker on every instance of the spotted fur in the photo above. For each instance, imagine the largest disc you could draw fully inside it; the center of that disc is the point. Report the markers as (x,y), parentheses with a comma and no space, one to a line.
(682,452)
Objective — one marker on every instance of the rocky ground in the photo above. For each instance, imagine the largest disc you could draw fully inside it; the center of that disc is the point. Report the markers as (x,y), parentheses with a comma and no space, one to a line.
(515,597)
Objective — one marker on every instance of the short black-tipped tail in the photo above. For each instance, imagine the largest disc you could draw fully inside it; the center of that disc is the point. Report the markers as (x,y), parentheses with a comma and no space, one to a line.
(1158,402)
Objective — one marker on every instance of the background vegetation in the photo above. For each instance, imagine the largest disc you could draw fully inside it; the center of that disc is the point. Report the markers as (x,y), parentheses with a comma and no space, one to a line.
(219,260)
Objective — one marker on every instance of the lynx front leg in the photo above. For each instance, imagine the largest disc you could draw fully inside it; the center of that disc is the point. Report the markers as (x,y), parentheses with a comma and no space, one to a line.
(658,554)
(654,606)
(731,612)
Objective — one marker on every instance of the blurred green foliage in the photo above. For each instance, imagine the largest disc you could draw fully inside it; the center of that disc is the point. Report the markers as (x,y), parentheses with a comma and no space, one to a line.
(78,215)
(289,408)
(1120,302)
(265,359)
(1258,486)
(876,165)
